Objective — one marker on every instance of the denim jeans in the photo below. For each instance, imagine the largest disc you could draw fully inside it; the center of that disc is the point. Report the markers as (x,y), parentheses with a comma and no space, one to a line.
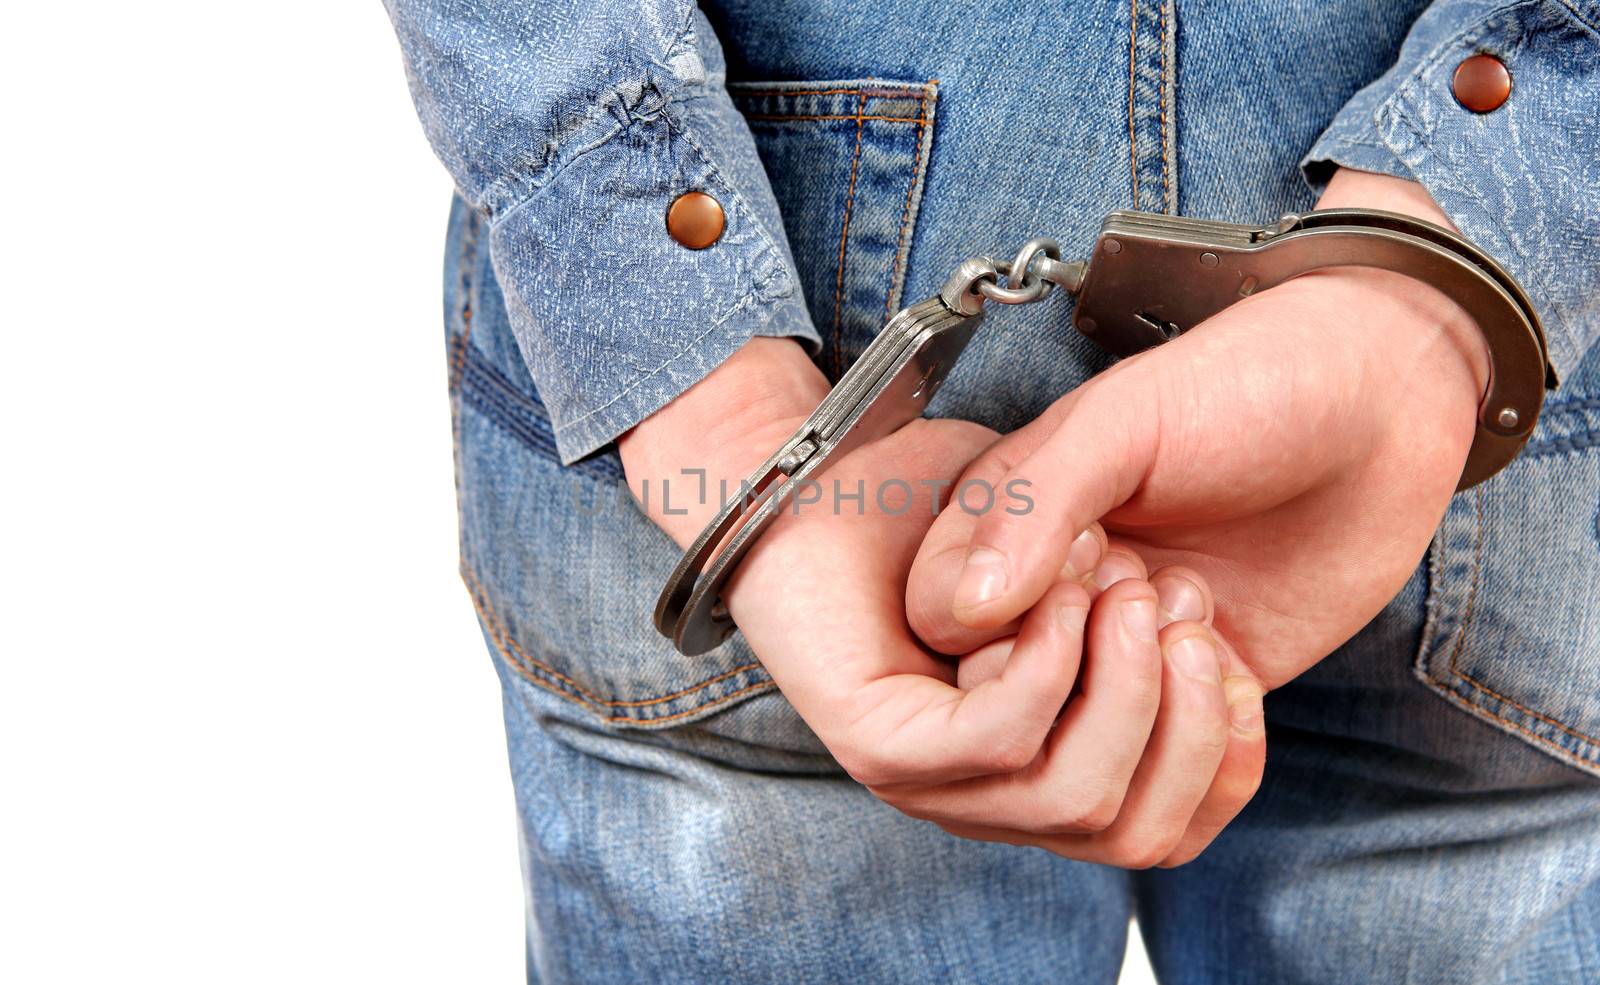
(1430,810)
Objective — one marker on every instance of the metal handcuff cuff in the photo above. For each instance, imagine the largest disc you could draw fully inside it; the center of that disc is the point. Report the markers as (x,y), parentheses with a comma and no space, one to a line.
(1150,278)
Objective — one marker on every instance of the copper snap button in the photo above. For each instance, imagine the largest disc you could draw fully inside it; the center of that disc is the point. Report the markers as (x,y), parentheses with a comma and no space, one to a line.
(1482,83)
(695,220)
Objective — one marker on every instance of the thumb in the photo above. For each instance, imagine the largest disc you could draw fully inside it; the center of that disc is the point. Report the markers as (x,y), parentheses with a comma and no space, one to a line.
(1084,458)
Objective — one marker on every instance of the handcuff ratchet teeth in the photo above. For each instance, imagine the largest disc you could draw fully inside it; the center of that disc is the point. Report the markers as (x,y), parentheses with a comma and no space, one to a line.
(1150,278)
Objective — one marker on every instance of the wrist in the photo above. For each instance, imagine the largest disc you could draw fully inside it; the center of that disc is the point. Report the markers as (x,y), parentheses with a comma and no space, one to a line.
(1393,302)
(678,460)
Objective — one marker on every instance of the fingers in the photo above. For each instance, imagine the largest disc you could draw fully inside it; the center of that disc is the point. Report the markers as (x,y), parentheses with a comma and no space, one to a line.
(983,664)
(1117,563)
(914,729)
(1184,595)
(1079,781)
(1120,563)
(939,562)
(1170,787)
(1239,775)
(1185,749)
(1156,755)
(1096,458)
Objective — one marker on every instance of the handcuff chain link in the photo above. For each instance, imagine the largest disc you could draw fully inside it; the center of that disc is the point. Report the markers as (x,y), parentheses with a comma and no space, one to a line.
(1036,270)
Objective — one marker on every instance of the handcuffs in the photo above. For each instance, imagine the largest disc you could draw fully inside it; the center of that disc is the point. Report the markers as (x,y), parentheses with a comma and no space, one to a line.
(1150,278)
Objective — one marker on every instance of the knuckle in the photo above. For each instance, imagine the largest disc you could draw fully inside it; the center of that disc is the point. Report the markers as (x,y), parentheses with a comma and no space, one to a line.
(1089,816)
(1237,789)
(933,624)
(1210,740)
(1182,855)
(868,768)
(1007,755)
(1143,849)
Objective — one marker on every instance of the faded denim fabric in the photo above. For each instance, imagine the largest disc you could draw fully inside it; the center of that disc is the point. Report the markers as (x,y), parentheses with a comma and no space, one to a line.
(1523,182)
(572,127)
(1431,807)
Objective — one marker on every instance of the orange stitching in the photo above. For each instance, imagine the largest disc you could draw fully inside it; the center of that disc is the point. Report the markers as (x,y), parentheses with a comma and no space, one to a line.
(784,116)
(905,213)
(1564,752)
(1166,188)
(1472,593)
(1526,710)
(844,236)
(480,602)
(732,91)
(1133,142)
(1461,642)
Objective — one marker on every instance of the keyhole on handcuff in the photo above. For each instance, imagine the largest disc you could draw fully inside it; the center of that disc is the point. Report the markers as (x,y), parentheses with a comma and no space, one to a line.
(1168,330)
(929,382)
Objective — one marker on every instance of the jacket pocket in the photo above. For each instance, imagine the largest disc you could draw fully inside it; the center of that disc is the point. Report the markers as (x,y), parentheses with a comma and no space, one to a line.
(846,160)
(1513,628)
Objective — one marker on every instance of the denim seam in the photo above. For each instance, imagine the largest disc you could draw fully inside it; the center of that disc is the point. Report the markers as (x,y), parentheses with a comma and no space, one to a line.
(884,91)
(1468,614)
(1166,184)
(503,405)
(1571,405)
(511,191)
(573,691)
(1568,445)
(468,250)
(902,248)
(1133,60)
(464,256)
(852,117)
(1552,747)
(844,238)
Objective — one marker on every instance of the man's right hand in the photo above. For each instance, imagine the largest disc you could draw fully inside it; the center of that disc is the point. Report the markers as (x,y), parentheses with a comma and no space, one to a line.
(1140,767)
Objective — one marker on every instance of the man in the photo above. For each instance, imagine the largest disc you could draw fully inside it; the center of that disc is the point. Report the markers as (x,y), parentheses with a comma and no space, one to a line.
(655,272)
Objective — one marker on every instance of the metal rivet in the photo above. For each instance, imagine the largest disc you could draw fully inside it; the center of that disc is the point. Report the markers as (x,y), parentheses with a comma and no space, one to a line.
(1509,418)
(1113,246)
(1208,259)
(1087,326)
(1481,83)
(695,220)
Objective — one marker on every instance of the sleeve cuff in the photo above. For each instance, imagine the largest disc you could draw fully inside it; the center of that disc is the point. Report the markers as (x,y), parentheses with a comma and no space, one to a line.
(614,317)
(1522,181)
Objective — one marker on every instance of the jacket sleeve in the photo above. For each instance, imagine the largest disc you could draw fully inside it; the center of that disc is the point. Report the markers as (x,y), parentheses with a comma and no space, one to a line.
(573,127)
(1522,180)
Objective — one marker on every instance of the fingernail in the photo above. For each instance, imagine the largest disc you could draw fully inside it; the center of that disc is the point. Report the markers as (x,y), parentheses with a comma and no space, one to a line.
(1244,704)
(1081,557)
(1114,568)
(1196,656)
(1139,618)
(983,578)
(1181,599)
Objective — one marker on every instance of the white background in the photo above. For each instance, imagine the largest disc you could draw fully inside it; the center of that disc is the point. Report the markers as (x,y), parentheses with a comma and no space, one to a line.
(249,728)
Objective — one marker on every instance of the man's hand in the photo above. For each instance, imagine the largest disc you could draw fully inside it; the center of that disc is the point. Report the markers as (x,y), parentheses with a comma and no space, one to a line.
(1298,450)
(1139,767)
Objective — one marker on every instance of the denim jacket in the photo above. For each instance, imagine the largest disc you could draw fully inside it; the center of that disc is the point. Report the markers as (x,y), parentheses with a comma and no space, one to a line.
(572,127)
(859,151)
